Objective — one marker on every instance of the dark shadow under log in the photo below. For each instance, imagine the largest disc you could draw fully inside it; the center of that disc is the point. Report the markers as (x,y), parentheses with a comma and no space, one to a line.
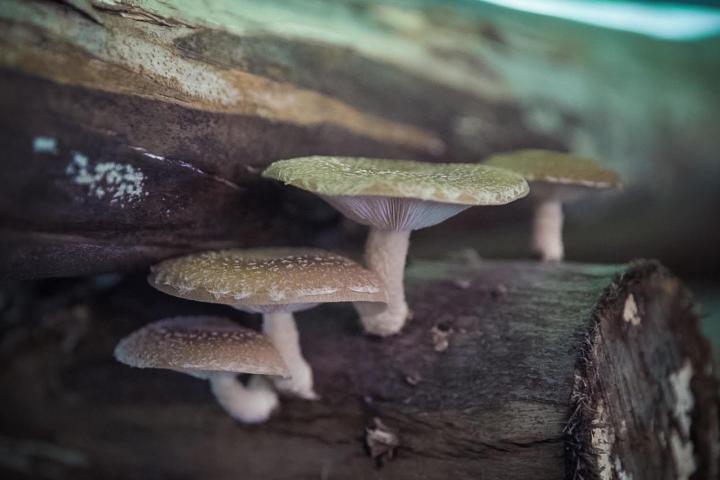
(507,371)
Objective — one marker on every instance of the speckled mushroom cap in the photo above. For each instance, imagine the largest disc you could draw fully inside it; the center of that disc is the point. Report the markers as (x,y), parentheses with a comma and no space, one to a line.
(459,183)
(556,173)
(268,279)
(200,345)
(399,194)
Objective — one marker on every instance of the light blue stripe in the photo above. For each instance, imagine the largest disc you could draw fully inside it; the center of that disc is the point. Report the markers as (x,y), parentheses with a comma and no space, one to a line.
(667,21)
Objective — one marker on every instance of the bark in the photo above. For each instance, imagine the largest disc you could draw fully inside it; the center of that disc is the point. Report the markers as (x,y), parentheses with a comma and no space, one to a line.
(132,131)
(200,96)
(507,370)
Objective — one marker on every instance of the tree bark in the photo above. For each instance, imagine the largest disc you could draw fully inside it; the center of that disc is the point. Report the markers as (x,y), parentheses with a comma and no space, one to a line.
(508,370)
(173,111)
(186,102)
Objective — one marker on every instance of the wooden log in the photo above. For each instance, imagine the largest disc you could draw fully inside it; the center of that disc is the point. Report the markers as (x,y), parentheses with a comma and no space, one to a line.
(131,132)
(163,98)
(508,370)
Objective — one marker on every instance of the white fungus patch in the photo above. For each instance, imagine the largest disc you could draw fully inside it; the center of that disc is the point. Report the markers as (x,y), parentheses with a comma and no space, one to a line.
(630,311)
(45,145)
(683,450)
(684,400)
(621,473)
(601,440)
(623,428)
(119,183)
(683,455)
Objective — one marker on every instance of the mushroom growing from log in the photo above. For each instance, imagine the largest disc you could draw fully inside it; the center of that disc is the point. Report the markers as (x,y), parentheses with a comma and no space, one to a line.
(555,178)
(275,282)
(213,349)
(394,197)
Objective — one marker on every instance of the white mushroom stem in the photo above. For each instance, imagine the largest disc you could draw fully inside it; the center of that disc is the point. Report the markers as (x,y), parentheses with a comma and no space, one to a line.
(385,254)
(251,404)
(281,329)
(547,231)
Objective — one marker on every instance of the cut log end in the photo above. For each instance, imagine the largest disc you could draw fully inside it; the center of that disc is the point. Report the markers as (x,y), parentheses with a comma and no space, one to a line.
(644,400)
(521,370)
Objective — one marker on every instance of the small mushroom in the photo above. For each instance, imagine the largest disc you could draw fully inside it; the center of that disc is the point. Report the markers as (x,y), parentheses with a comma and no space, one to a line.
(214,349)
(275,282)
(395,197)
(555,178)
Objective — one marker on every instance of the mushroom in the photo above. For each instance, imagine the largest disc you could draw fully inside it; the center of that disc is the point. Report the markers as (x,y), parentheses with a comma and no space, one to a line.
(214,349)
(555,178)
(394,197)
(275,282)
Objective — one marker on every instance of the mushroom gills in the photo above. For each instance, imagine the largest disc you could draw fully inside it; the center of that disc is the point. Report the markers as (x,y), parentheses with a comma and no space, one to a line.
(389,213)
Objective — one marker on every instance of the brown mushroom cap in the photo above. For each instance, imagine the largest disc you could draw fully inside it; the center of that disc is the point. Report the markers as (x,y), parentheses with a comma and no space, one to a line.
(556,167)
(200,345)
(456,183)
(267,279)
(557,176)
(399,194)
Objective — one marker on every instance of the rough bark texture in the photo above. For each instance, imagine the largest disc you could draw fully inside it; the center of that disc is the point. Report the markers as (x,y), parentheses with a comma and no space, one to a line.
(187,101)
(504,372)
(175,113)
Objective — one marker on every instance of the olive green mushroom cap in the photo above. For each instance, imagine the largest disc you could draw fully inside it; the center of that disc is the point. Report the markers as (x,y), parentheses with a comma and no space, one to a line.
(455,183)
(556,167)
(200,345)
(267,279)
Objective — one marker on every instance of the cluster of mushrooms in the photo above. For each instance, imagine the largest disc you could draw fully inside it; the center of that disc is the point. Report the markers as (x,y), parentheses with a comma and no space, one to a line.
(392,197)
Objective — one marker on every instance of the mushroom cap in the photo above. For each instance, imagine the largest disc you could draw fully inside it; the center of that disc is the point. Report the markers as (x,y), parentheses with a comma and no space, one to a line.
(455,183)
(557,168)
(267,279)
(200,345)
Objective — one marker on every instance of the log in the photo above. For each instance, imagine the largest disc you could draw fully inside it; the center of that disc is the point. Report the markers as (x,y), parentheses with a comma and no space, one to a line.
(135,130)
(131,132)
(508,370)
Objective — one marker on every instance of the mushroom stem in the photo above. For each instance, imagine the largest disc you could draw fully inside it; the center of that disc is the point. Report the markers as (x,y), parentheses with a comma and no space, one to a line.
(251,404)
(547,238)
(385,254)
(281,329)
